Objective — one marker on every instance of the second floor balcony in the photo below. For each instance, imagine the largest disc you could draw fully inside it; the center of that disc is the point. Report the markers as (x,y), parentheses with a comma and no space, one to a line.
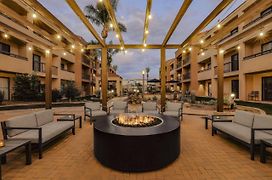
(40,67)
(187,76)
(228,67)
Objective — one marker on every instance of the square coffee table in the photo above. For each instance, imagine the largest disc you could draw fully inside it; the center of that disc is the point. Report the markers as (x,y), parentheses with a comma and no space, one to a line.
(11,145)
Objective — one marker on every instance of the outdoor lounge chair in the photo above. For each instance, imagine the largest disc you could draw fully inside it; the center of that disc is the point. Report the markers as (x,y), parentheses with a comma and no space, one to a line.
(118,107)
(245,127)
(173,109)
(92,109)
(150,107)
(39,127)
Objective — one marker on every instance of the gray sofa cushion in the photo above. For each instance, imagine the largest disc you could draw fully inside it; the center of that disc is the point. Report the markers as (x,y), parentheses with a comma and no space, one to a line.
(244,118)
(150,106)
(241,132)
(171,113)
(49,131)
(93,105)
(151,112)
(171,106)
(44,117)
(119,105)
(28,120)
(263,121)
(98,113)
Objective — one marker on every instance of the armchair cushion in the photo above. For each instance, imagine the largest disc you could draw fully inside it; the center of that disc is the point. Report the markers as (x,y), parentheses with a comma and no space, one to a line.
(244,118)
(149,106)
(171,106)
(44,117)
(263,121)
(99,113)
(28,120)
(171,113)
(93,105)
(119,105)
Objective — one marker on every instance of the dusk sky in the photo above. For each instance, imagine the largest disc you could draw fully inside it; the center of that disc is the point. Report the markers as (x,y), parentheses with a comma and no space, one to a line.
(132,14)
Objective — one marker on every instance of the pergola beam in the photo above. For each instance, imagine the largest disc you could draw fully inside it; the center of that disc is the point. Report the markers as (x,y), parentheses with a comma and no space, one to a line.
(114,22)
(86,22)
(146,22)
(207,20)
(135,46)
(176,21)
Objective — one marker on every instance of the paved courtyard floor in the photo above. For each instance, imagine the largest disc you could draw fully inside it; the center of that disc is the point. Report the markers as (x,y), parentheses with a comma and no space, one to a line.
(202,157)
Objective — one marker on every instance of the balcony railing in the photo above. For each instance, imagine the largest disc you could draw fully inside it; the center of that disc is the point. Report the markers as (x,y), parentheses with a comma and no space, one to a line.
(228,67)
(68,70)
(205,69)
(258,54)
(40,67)
(42,36)
(86,61)
(256,20)
(187,76)
(14,20)
(13,55)
(186,60)
(179,64)
(86,76)
(229,35)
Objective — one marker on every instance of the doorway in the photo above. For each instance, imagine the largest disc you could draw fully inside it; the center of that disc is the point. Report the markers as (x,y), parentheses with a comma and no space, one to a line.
(267,88)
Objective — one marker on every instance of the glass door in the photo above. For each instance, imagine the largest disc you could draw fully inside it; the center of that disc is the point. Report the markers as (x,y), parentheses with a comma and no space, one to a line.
(4,88)
(235,88)
(267,89)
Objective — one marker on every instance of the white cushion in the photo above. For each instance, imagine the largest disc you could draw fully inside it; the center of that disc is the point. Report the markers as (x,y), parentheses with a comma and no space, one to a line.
(150,106)
(44,117)
(171,106)
(93,105)
(49,131)
(171,113)
(98,113)
(244,118)
(263,121)
(117,111)
(28,120)
(151,112)
(119,105)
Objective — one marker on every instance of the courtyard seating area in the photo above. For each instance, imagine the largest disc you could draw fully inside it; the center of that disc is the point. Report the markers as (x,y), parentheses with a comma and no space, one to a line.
(202,156)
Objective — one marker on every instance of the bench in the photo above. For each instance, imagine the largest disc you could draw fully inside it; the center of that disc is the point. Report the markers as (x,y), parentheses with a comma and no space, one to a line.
(245,127)
(39,127)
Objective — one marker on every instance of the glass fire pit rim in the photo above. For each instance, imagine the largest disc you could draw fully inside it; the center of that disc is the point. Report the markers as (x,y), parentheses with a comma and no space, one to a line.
(150,115)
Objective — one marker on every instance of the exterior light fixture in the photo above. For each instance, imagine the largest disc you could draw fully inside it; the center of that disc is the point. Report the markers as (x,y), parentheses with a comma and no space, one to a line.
(149,16)
(190,49)
(111,25)
(82,50)
(126,51)
(100,0)
(221,51)
(29,48)
(143,72)
(218,26)
(146,32)
(117,36)
(143,50)
(183,51)
(64,53)
(47,52)
(201,41)
(34,15)
(145,44)
(122,48)
(261,34)
(202,53)
(238,47)
(73,46)
(232,95)
(6,35)
(58,36)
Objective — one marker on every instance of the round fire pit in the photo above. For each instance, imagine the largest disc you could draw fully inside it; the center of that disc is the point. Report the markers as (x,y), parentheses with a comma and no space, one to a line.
(150,144)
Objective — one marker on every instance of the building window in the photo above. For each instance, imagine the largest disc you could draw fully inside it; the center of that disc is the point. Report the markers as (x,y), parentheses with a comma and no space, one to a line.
(36,63)
(266,12)
(62,66)
(235,62)
(234,31)
(4,48)
(235,88)
(267,46)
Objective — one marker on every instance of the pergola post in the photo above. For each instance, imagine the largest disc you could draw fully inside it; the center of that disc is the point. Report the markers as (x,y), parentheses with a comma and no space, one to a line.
(104,78)
(220,81)
(163,80)
(78,70)
(48,80)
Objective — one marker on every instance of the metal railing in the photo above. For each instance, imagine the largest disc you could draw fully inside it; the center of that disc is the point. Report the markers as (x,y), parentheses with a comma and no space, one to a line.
(14,20)
(228,36)
(187,76)
(40,67)
(256,20)
(86,76)
(186,60)
(67,70)
(13,55)
(86,61)
(228,67)
(258,54)
(205,69)
(179,64)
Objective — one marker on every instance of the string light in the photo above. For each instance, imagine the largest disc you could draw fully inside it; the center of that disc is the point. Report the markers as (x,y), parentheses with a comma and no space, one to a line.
(190,49)
(218,26)
(122,48)
(126,51)
(6,35)
(201,41)
(64,53)
(145,44)
(100,0)
(73,46)
(221,51)
(143,50)
(238,47)
(183,51)
(117,36)
(47,51)
(58,36)
(146,32)
(111,25)
(149,16)
(202,53)
(261,34)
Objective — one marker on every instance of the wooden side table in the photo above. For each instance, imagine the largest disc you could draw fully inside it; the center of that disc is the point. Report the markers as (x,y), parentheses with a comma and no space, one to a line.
(11,145)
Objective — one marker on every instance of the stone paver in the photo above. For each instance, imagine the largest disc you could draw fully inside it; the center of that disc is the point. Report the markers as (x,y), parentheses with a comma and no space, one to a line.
(202,157)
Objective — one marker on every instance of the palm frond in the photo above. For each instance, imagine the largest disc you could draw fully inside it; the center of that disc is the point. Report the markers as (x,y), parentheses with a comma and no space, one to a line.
(122,27)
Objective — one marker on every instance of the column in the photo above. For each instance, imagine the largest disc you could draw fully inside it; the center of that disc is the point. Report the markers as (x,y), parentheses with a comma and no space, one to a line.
(194,69)
(242,76)
(220,81)
(163,80)
(78,68)
(104,78)
(48,80)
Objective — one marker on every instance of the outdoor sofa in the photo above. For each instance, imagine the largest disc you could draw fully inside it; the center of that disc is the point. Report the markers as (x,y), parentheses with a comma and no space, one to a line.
(245,127)
(39,127)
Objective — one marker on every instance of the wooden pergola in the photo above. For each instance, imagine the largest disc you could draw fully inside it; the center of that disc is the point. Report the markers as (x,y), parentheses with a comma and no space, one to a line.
(163,46)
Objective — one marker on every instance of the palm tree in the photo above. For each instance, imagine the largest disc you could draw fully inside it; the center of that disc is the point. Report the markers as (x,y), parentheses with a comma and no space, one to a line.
(98,14)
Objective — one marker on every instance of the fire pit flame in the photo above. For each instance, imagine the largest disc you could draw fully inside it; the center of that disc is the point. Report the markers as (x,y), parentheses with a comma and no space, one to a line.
(136,120)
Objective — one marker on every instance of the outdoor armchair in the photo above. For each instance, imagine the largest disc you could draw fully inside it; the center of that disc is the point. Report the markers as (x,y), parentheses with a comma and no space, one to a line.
(150,107)
(173,109)
(92,109)
(118,107)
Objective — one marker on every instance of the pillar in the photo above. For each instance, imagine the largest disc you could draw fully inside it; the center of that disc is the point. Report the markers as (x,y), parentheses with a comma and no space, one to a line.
(242,76)
(163,80)
(194,69)
(104,78)
(220,81)
(78,69)
(48,80)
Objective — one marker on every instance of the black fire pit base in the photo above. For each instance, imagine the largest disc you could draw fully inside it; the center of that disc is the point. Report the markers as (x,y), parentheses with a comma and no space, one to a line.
(136,149)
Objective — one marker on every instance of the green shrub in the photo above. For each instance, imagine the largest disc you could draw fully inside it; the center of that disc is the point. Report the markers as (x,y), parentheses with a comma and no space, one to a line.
(56,95)
(70,91)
